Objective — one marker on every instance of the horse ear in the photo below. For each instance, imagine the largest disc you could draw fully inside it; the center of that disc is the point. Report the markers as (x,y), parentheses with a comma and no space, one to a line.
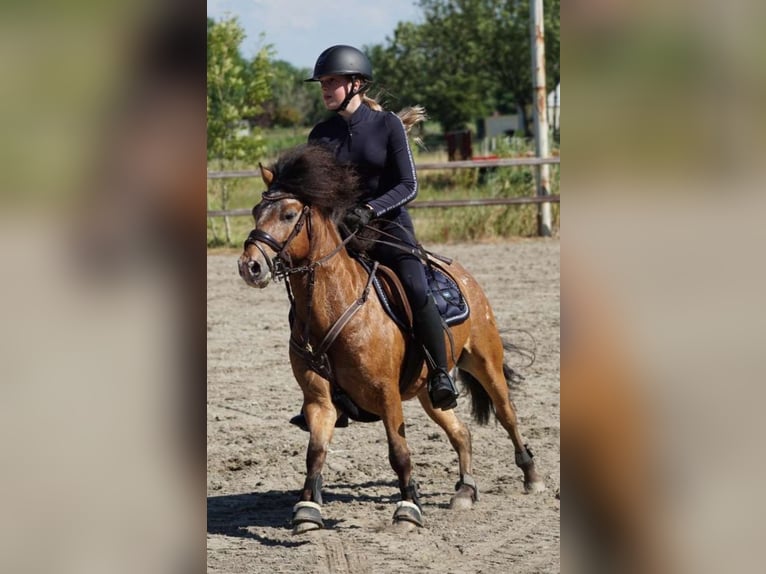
(266,174)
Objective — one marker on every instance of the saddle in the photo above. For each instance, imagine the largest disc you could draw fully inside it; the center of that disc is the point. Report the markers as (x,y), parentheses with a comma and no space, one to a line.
(450,302)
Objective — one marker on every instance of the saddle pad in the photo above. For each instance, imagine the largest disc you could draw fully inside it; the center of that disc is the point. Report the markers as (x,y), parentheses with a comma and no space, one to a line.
(449,299)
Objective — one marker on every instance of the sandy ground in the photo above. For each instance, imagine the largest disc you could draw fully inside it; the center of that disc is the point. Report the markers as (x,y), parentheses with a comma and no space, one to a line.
(256,460)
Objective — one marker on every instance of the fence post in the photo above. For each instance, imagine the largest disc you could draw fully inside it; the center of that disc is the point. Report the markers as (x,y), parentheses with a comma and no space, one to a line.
(540,99)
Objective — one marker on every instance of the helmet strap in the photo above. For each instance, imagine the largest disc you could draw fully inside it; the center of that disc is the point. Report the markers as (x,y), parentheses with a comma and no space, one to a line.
(362,88)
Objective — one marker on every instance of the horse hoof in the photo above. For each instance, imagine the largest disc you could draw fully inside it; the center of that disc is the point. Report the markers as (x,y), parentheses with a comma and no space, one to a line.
(466,493)
(407,512)
(402,527)
(307,516)
(304,527)
(461,501)
(534,487)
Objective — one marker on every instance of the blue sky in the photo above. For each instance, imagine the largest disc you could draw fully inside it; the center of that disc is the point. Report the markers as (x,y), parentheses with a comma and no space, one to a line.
(300,29)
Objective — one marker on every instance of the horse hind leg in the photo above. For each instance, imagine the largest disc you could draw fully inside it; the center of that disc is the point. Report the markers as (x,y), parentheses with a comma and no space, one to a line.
(487,384)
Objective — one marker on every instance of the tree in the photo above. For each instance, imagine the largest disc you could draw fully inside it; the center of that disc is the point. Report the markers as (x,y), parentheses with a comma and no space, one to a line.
(467,58)
(236,90)
(512,58)
(434,64)
(293,102)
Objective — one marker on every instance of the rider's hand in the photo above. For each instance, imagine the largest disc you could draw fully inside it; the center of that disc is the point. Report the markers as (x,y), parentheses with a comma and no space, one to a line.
(358,217)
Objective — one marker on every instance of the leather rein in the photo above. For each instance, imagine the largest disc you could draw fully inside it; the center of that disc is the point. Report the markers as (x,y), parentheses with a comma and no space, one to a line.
(281,267)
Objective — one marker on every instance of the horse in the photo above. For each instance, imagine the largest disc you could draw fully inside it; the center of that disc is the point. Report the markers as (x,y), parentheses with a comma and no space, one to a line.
(342,338)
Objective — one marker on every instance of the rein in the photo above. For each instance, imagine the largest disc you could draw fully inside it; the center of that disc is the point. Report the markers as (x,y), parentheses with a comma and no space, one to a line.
(281,267)
(418,251)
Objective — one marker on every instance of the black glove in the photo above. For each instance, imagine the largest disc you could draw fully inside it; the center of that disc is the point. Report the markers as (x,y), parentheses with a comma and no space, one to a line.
(358,217)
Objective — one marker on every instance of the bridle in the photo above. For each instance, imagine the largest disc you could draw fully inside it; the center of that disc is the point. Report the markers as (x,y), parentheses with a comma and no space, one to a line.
(281,264)
(281,267)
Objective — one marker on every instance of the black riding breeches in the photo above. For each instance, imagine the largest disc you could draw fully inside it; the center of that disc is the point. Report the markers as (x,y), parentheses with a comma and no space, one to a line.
(408,267)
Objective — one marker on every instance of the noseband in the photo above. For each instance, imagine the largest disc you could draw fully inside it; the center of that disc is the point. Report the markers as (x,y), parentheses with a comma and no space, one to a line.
(281,265)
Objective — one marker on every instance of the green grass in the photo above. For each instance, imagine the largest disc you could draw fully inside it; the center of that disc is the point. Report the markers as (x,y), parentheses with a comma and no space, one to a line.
(432,225)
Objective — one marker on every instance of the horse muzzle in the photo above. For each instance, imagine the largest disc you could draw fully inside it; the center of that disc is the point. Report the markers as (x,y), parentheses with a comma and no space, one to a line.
(254,272)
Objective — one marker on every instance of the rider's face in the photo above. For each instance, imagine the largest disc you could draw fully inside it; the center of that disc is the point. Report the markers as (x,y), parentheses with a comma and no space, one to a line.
(334,90)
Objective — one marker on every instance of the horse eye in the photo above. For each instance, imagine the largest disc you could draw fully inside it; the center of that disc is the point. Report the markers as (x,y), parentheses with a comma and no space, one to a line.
(289,216)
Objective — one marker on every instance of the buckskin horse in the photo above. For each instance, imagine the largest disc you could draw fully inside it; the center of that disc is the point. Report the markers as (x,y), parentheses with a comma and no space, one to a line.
(347,352)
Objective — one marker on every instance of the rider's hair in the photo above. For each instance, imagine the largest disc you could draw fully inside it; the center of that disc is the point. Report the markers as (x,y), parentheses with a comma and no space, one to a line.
(410,116)
(371,103)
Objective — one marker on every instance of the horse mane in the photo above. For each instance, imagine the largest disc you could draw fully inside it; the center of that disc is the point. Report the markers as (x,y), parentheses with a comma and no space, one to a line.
(312,174)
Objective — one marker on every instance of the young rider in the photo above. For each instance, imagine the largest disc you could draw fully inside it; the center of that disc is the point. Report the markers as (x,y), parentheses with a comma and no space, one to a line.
(375,143)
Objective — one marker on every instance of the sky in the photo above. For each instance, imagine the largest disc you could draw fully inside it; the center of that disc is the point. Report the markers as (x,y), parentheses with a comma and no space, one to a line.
(299,30)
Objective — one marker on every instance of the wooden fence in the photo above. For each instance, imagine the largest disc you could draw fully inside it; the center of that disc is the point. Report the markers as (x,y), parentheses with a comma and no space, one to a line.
(472,164)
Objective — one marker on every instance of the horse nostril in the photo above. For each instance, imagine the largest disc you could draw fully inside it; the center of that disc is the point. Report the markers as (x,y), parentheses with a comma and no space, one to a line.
(253,267)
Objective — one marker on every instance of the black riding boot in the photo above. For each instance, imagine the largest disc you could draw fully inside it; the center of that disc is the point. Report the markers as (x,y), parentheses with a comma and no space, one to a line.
(430,334)
(299,420)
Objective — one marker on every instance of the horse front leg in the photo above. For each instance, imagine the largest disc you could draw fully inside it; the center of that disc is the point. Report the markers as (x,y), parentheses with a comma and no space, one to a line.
(408,510)
(320,416)
(466,489)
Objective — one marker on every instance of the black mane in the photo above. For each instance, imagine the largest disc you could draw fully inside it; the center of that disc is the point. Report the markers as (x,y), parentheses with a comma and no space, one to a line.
(311,173)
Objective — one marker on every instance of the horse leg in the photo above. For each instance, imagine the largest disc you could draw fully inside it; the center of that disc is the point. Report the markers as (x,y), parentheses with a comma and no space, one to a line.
(321,415)
(466,489)
(408,510)
(489,373)
(506,414)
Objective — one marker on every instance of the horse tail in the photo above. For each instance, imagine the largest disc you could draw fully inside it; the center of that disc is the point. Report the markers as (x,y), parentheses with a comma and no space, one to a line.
(481,404)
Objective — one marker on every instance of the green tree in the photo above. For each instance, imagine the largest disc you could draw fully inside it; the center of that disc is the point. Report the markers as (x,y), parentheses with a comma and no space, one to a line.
(512,58)
(467,58)
(293,102)
(236,90)
(434,64)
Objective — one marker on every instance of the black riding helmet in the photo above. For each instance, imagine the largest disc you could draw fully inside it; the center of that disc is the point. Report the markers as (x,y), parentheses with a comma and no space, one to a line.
(343,61)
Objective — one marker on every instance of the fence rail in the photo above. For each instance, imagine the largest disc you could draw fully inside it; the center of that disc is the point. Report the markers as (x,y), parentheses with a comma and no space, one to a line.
(428,204)
(472,163)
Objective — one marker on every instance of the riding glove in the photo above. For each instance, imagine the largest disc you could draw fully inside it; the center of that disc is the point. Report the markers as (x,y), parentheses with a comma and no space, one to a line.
(358,217)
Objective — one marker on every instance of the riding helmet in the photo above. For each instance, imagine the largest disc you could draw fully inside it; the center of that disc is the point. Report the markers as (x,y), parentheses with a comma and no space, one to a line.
(343,61)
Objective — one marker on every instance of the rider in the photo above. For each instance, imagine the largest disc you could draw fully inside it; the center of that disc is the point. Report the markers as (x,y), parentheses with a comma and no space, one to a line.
(375,143)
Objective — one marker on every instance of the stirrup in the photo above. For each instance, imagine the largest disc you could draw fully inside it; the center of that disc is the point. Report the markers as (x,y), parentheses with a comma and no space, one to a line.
(443,394)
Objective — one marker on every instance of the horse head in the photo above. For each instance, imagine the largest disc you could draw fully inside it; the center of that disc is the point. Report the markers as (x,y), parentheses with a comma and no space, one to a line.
(305,180)
(280,237)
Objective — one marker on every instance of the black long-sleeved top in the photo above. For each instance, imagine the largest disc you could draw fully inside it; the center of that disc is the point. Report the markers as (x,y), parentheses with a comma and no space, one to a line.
(375,143)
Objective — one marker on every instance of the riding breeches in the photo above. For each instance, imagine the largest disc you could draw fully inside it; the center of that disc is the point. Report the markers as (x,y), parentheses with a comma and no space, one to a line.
(408,267)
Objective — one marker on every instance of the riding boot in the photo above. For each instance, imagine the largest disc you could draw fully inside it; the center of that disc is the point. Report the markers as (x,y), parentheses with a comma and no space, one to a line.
(299,420)
(429,332)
